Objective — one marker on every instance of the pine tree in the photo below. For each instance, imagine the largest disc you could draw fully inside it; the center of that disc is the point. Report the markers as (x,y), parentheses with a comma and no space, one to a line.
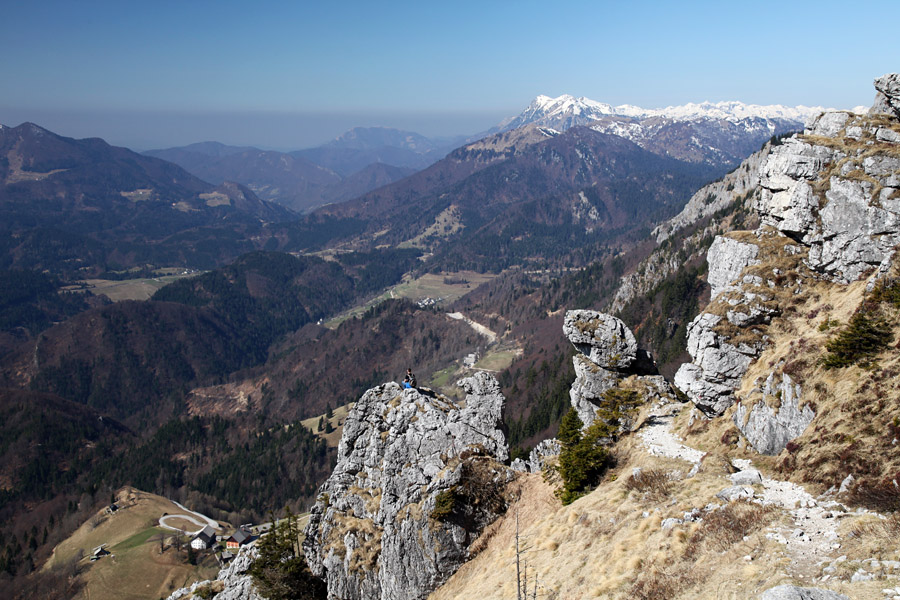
(583,459)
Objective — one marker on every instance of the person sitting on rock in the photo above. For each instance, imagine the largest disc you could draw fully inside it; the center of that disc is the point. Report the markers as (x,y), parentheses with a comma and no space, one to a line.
(410,378)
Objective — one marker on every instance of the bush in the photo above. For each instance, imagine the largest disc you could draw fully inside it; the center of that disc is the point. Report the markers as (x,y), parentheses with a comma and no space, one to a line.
(865,336)
(653,483)
(444,503)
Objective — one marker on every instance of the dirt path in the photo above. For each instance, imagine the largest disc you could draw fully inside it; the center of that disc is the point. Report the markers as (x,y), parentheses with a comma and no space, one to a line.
(478,327)
(810,536)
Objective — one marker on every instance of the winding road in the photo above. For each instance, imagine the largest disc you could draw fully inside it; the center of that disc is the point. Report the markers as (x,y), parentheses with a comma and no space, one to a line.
(198,519)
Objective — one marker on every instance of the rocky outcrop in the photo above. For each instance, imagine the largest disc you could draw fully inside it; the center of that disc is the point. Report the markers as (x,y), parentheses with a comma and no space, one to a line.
(232,583)
(727,259)
(605,340)
(768,429)
(416,480)
(829,197)
(836,189)
(540,453)
(887,95)
(608,354)
(717,367)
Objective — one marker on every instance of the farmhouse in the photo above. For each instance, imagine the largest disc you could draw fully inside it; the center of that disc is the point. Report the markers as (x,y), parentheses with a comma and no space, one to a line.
(238,539)
(204,539)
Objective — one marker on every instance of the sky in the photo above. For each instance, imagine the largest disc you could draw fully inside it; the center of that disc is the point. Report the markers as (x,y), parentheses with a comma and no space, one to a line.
(290,75)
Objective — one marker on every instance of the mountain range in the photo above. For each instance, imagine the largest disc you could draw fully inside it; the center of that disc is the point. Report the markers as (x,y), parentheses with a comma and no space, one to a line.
(722,133)
(70,205)
(360,160)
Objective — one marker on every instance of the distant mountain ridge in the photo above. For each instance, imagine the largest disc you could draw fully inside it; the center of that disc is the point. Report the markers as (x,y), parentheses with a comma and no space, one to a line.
(721,133)
(357,161)
(83,205)
(548,111)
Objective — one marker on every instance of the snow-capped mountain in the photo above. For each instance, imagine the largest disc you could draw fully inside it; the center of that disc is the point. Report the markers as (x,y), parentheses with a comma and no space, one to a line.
(714,133)
(567,111)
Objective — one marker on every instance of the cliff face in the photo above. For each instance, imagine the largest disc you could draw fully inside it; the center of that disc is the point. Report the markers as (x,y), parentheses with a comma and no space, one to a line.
(829,210)
(417,479)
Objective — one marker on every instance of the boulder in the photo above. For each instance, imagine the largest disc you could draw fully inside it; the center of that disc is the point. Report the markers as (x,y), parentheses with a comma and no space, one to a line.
(746,477)
(417,479)
(769,430)
(792,592)
(887,95)
(603,338)
(735,492)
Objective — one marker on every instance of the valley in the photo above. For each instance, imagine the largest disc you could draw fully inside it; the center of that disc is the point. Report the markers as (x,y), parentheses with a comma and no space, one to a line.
(691,311)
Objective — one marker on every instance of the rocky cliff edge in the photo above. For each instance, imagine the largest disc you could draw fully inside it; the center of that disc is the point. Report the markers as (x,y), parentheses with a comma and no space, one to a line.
(417,478)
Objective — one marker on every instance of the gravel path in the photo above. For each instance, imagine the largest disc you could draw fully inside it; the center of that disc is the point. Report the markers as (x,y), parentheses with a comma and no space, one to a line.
(659,439)
(810,538)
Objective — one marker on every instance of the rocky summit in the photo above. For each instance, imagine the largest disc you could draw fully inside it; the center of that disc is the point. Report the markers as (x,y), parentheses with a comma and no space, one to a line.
(417,479)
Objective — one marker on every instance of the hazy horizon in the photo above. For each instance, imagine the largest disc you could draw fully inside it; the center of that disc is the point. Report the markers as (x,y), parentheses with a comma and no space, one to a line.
(294,75)
(152,130)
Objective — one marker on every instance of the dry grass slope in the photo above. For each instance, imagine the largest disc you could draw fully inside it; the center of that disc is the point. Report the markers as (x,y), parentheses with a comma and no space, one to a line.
(135,569)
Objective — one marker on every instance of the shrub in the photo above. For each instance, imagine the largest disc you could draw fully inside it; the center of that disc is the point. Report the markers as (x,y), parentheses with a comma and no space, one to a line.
(862,338)
(655,484)
(444,503)
(583,459)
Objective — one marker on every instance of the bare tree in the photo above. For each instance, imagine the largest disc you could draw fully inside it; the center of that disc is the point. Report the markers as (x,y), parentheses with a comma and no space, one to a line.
(161,538)
(522,567)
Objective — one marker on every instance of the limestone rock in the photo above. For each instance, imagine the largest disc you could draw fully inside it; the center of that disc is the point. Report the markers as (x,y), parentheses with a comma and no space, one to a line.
(238,585)
(374,532)
(540,453)
(717,367)
(887,95)
(735,492)
(519,465)
(603,338)
(768,430)
(848,217)
(746,477)
(727,258)
(792,592)
(591,382)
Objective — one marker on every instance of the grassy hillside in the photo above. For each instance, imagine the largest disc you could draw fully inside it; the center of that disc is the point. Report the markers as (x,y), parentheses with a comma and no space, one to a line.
(135,569)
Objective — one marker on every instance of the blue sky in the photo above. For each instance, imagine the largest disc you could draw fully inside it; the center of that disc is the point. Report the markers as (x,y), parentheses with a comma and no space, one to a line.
(294,74)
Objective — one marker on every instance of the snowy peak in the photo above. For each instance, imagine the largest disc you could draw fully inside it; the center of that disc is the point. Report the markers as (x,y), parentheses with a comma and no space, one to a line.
(715,133)
(567,111)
